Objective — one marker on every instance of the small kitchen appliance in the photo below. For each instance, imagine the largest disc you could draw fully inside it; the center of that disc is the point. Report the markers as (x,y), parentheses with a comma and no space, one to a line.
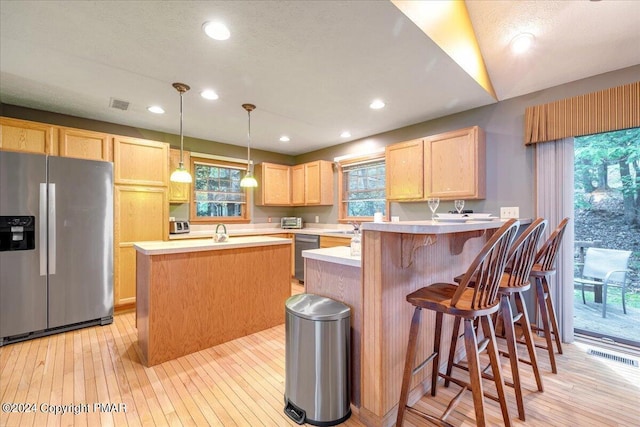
(291,222)
(178,227)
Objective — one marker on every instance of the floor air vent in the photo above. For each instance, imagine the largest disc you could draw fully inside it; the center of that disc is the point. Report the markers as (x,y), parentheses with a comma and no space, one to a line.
(625,360)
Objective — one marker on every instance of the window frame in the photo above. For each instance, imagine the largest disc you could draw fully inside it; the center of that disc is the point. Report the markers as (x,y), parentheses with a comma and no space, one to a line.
(344,164)
(245,209)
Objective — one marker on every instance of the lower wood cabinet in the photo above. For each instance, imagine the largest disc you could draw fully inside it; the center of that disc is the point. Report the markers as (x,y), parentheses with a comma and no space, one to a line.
(140,214)
(330,241)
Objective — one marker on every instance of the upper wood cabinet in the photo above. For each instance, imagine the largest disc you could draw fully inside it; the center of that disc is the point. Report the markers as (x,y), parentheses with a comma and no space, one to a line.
(297,185)
(140,162)
(274,185)
(84,144)
(26,136)
(179,192)
(318,183)
(405,170)
(455,164)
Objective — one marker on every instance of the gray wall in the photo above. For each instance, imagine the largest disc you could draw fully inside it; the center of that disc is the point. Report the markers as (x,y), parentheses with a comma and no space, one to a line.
(510,165)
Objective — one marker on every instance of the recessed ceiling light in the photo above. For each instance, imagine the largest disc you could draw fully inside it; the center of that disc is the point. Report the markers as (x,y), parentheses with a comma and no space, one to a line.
(216,30)
(284,138)
(522,43)
(156,109)
(345,134)
(376,104)
(209,94)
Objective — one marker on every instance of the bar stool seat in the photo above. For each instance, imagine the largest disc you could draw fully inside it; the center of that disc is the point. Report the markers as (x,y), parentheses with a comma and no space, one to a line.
(512,284)
(467,304)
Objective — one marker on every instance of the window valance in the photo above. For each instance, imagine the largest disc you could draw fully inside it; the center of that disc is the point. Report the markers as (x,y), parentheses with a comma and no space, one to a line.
(603,111)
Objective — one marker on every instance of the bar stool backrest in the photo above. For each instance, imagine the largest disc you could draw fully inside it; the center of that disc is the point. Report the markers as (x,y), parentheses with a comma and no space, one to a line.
(487,268)
(523,253)
(547,254)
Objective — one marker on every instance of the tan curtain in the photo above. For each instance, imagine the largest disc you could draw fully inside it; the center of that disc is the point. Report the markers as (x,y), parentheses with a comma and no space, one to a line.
(604,111)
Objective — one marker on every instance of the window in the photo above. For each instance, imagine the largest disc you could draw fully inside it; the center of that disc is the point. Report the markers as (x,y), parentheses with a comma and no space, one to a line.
(217,195)
(362,188)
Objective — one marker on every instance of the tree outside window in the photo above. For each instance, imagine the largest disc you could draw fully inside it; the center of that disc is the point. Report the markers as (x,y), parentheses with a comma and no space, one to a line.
(363,189)
(217,195)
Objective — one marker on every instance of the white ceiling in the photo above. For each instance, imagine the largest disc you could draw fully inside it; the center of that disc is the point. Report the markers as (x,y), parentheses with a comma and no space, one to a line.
(311,67)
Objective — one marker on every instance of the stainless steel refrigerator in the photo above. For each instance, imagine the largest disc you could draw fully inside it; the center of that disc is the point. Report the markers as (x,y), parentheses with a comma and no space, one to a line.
(56,244)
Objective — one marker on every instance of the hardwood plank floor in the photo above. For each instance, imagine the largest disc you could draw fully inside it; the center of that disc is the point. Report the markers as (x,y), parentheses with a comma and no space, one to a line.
(241,383)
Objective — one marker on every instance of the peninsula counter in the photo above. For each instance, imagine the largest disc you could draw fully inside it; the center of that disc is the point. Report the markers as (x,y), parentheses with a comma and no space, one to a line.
(195,294)
(397,259)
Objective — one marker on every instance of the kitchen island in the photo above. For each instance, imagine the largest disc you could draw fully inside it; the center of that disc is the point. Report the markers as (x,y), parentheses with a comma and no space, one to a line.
(194,294)
(397,259)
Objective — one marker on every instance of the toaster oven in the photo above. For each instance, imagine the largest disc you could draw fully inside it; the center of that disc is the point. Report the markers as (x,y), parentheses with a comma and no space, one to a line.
(291,222)
(178,227)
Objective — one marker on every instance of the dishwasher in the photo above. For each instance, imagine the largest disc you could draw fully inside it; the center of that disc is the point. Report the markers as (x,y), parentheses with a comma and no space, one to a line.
(302,243)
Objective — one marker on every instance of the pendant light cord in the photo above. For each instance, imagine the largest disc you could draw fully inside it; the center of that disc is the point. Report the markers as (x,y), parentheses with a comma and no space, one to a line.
(181,134)
(249,143)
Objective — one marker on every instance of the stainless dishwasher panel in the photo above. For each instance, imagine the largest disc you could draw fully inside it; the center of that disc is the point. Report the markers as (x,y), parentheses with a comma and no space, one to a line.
(302,243)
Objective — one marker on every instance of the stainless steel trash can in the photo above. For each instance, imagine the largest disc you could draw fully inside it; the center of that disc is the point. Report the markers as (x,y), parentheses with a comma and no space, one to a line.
(317,388)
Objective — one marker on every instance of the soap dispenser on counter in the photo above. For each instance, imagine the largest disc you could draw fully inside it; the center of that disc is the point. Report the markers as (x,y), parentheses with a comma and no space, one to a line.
(356,242)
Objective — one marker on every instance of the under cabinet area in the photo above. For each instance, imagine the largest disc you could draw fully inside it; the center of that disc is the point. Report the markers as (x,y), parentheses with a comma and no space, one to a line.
(449,165)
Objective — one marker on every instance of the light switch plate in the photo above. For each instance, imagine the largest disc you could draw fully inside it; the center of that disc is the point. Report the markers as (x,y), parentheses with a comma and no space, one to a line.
(510,212)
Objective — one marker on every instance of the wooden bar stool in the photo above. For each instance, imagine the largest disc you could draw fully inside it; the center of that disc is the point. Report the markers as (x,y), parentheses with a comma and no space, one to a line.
(467,303)
(543,268)
(514,281)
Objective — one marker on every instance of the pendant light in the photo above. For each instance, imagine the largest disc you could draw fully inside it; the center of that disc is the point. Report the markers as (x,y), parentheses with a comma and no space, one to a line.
(249,180)
(181,174)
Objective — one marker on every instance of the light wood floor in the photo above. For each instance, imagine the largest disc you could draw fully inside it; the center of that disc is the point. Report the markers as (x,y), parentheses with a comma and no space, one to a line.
(242,383)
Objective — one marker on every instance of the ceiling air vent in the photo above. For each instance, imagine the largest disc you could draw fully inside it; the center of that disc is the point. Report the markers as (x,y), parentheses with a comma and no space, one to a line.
(119,104)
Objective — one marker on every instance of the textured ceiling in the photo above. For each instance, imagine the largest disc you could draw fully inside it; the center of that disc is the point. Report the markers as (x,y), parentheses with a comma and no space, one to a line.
(311,67)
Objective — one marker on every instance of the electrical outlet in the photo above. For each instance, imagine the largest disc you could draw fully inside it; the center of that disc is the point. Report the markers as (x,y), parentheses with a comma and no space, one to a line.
(510,212)
(317,219)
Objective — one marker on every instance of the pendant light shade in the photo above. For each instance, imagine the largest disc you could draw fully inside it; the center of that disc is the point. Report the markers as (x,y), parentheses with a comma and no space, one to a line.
(181,174)
(248,180)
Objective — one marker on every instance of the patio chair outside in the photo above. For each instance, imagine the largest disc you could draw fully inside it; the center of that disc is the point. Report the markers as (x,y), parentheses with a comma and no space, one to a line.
(604,268)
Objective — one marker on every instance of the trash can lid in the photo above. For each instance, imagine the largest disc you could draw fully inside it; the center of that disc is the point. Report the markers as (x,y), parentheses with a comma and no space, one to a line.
(315,307)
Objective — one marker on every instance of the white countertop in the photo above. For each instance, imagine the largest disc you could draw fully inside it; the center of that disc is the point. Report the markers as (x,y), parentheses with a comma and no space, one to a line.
(204,234)
(435,227)
(200,245)
(336,255)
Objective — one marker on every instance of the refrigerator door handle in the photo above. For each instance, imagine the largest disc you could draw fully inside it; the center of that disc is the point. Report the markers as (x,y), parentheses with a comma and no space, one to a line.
(42,229)
(52,229)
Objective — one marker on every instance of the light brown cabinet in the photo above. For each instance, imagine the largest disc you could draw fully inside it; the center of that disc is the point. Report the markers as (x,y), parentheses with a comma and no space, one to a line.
(140,162)
(141,206)
(312,184)
(84,144)
(405,170)
(179,192)
(318,183)
(455,164)
(140,214)
(302,185)
(26,136)
(274,185)
(331,241)
(297,185)
(450,166)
